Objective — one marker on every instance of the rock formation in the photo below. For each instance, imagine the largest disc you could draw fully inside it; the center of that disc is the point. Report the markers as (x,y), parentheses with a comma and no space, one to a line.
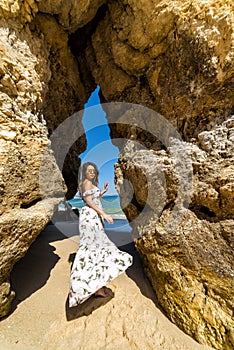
(192,263)
(182,67)
(38,76)
(174,57)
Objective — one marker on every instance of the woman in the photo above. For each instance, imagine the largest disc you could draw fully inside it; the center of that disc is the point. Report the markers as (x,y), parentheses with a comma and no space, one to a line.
(98,260)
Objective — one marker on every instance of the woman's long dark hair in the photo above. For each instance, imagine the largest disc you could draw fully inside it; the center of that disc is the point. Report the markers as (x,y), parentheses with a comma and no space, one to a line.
(82,172)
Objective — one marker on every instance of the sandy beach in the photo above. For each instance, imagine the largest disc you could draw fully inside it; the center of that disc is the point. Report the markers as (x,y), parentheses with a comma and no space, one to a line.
(129,318)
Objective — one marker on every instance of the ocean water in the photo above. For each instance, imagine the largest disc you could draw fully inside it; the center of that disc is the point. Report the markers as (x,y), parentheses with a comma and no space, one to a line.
(111,205)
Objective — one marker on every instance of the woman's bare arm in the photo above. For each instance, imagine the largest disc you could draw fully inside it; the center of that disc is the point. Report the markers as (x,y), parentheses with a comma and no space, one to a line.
(88,199)
(106,186)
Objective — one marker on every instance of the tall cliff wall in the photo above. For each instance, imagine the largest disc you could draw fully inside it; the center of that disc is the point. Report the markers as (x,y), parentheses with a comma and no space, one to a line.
(40,87)
(175,57)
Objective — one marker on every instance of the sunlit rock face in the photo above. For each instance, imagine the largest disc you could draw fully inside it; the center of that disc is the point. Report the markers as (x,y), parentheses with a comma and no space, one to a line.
(175,57)
(40,87)
(187,254)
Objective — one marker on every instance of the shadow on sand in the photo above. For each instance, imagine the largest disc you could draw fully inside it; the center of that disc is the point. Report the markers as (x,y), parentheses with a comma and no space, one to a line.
(32,272)
(136,270)
(86,308)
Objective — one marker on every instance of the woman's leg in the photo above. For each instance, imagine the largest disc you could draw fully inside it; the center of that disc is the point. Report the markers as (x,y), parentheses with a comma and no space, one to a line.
(100,292)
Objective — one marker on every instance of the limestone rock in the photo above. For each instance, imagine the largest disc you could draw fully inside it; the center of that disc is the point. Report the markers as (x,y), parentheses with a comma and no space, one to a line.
(20,11)
(66,94)
(17,232)
(6,297)
(175,57)
(191,270)
(34,70)
(71,15)
(187,253)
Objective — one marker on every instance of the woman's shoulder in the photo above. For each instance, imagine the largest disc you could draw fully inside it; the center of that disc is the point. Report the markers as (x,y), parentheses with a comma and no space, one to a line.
(87,185)
(88,188)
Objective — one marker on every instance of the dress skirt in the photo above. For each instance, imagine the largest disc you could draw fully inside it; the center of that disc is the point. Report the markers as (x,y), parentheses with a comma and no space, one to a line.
(98,260)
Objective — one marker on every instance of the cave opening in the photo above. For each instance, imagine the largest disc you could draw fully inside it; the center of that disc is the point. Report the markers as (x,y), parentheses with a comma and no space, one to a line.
(101,151)
(96,144)
(100,148)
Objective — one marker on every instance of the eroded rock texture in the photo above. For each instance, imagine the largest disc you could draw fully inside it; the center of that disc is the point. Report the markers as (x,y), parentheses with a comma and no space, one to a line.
(175,57)
(188,255)
(39,76)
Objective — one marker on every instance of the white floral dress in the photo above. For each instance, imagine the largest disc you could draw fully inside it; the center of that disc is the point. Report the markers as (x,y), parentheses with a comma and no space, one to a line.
(98,260)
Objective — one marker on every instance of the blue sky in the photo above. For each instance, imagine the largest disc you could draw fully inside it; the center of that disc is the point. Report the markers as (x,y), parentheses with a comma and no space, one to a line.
(99,150)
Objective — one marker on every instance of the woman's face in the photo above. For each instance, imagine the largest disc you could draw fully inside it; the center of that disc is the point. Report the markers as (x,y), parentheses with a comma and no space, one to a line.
(90,173)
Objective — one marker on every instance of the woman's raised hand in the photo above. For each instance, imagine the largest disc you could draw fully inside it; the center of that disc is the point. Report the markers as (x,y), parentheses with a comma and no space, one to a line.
(106,186)
(108,218)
